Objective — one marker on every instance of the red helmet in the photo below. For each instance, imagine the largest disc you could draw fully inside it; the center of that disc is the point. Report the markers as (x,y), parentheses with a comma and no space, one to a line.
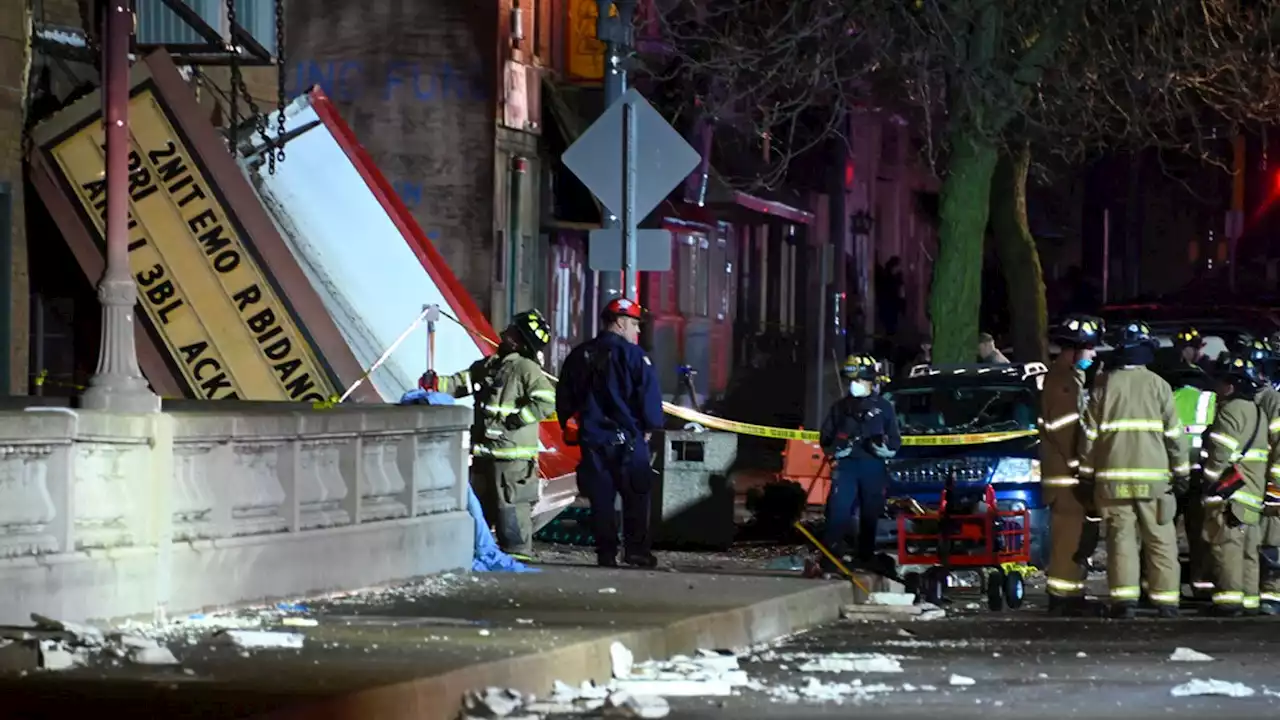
(623,307)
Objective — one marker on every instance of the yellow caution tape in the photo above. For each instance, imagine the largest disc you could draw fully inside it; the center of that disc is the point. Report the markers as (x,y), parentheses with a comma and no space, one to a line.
(741,428)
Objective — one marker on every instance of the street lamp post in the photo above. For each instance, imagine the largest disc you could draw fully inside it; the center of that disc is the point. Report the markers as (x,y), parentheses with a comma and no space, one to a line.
(117,385)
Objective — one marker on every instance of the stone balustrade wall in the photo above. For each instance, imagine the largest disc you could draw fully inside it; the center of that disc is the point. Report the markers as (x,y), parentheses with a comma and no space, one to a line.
(110,515)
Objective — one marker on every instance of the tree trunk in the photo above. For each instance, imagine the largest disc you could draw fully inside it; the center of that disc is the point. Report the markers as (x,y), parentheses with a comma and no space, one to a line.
(957,273)
(1019,258)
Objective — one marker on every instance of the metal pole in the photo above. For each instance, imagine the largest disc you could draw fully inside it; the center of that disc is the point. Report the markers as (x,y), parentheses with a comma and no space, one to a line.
(1106,253)
(615,33)
(117,385)
(629,202)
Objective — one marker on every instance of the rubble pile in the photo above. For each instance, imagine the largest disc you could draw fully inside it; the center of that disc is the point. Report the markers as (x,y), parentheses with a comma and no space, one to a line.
(55,645)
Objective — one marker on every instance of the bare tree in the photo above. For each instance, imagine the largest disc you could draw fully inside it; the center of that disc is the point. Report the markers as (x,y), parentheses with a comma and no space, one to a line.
(986,77)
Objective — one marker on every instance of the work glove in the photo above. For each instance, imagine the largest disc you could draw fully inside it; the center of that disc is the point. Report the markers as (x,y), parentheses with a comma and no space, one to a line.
(514,421)
(1181,485)
(843,451)
(882,452)
(429,380)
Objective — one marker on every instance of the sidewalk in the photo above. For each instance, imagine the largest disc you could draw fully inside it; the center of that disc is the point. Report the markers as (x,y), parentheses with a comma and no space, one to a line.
(413,651)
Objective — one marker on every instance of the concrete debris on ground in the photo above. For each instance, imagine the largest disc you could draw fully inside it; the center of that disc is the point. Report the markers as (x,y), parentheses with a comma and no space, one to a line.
(589,699)
(814,690)
(1198,687)
(1184,654)
(961,681)
(262,639)
(888,610)
(854,662)
(55,645)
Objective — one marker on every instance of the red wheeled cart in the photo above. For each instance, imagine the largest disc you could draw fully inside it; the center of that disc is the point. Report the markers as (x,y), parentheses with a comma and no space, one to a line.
(981,538)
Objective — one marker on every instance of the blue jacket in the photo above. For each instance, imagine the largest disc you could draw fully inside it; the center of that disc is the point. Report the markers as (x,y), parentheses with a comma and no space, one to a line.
(609,384)
(854,423)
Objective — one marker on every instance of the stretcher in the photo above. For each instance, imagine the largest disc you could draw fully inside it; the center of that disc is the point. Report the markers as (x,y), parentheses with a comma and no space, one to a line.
(967,534)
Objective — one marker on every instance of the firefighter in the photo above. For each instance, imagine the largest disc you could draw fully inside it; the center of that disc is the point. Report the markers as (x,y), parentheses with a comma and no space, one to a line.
(1264,356)
(512,395)
(609,387)
(1131,449)
(1061,403)
(859,433)
(1195,406)
(1235,480)
(1190,345)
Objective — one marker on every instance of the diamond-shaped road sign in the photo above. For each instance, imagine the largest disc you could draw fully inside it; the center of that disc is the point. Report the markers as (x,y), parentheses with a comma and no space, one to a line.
(663,158)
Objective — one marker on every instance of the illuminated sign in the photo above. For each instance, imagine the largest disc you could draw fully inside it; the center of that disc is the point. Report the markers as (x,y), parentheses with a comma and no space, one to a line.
(584,53)
(222,321)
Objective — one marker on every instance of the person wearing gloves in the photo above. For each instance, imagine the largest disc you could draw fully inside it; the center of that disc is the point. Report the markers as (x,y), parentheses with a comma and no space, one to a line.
(1234,484)
(512,396)
(859,434)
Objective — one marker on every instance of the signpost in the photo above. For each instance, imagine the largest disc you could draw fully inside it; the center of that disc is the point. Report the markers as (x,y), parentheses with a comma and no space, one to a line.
(652,159)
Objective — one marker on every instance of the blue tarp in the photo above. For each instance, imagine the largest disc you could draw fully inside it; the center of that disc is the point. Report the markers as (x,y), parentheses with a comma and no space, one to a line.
(488,556)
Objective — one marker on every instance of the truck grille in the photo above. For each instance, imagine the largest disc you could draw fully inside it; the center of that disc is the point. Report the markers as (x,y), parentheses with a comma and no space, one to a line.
(968,471)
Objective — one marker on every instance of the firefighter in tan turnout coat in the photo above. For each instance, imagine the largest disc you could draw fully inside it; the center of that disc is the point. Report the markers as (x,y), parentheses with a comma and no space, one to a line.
(512,395)
(1061,403)
(1235,480)
(1132,449)
(1264,357)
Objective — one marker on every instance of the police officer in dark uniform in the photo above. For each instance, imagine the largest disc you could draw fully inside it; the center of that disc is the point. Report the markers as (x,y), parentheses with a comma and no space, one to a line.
(609,386)
(859,433)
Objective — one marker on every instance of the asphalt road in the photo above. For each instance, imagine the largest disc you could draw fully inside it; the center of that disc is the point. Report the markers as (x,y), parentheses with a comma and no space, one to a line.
(1020,664)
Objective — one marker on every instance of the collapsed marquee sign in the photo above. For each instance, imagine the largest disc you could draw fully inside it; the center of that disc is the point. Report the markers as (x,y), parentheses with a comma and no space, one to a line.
(229,313)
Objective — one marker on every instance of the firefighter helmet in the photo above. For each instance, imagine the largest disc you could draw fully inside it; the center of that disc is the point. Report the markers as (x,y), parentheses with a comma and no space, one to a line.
(1080,331)
(1241,372)
(1188,337)
(623,307)
(1255,350)
(861,367)
(1273,342)
(1136,333)
(533,329)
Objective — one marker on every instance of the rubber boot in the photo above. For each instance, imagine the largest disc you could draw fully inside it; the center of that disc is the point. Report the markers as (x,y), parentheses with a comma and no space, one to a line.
(1124,610)
(1167,612)
(510,535)
(1067,606)
(646,561)
(1226,611)
(1269,607)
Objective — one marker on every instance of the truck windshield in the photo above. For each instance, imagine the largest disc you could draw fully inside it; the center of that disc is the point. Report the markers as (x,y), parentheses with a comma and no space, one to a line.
(951,410)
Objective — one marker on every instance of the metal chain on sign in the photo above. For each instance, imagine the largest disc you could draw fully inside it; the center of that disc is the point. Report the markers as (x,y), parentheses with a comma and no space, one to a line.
(238,87)
(280,90)
(232,100)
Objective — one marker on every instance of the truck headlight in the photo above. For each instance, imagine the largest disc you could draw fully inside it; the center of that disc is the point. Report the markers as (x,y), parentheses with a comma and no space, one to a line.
(1016,470)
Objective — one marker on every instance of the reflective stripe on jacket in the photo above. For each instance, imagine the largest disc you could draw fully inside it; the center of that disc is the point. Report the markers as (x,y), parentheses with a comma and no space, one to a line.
(1239,419)
(1269,400)
(1132,440)
(512,395)
(1061,402)
(1195,412)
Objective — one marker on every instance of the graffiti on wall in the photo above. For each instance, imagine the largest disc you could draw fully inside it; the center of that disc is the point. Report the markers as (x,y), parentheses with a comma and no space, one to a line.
(357,80)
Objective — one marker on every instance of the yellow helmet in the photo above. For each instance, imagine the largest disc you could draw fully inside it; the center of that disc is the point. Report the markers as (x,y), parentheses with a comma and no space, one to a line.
(861,367)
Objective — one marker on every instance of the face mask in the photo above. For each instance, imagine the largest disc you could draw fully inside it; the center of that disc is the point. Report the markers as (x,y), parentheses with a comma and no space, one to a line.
(1084,363)
(857,389)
